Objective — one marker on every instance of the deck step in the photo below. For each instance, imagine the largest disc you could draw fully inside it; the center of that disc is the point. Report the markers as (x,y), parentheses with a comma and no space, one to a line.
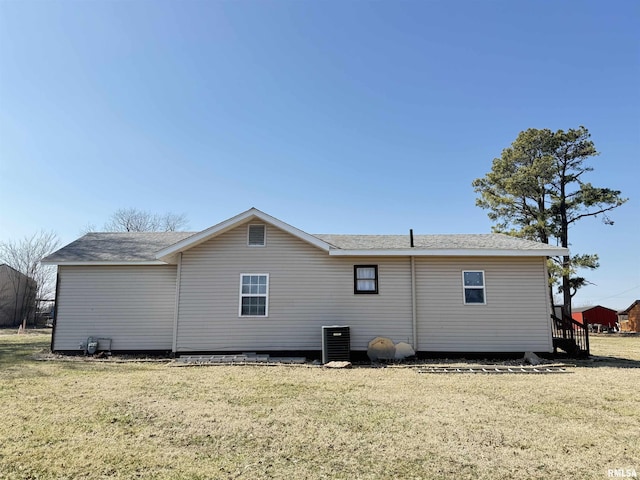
(570,346)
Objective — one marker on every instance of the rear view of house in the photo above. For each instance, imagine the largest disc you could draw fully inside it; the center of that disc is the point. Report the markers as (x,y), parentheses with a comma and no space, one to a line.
(255,283)
(17,297)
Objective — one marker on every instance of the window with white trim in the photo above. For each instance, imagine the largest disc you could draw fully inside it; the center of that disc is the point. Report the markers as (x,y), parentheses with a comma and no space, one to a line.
(257,235)
(473,286)
(254,295)
(365,279)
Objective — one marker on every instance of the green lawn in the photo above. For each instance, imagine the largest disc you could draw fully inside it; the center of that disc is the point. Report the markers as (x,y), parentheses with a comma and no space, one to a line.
(90,420)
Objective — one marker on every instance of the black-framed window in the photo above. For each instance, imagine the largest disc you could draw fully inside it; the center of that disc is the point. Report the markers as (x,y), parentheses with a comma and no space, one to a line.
(365,279)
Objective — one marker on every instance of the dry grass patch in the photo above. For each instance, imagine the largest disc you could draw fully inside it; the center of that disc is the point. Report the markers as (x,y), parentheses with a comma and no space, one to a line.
(101,420)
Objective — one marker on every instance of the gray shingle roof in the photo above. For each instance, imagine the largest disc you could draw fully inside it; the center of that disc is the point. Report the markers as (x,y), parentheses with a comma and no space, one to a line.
(116,247)
(432,242)
(143,246)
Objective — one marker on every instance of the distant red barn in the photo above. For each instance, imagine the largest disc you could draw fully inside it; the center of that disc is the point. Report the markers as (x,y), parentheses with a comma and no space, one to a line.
(595,315)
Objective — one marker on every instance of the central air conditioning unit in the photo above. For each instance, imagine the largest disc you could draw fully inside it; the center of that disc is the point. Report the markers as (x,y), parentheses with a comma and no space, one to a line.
(336,344)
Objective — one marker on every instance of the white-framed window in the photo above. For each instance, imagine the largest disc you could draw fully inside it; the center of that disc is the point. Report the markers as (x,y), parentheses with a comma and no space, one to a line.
(254,295)
(473,286)
(365,279)
(257,235)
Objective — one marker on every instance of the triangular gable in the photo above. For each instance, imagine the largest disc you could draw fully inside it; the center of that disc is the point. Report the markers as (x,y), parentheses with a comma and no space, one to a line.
(233,222)
(626,312)
(12,270)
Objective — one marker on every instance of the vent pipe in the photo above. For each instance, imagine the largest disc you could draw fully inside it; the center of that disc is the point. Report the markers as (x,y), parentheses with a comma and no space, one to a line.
(411,236)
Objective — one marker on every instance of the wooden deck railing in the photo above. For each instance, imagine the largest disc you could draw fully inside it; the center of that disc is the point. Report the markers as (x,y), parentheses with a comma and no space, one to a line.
(568,329)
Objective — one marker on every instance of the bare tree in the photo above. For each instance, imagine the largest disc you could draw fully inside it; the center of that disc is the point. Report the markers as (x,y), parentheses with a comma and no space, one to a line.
(88,228)
(134,220)
(24,256)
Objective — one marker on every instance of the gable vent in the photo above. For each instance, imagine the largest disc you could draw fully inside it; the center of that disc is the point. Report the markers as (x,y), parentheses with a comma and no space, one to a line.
(257,235)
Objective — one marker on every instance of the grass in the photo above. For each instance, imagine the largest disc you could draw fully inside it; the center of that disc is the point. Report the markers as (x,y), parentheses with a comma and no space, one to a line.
(95,420)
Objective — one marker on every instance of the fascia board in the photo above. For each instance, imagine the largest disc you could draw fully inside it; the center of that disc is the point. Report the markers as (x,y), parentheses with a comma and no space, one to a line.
(204,235)
(296,232)
(231,223)
(449,252)
(91,263)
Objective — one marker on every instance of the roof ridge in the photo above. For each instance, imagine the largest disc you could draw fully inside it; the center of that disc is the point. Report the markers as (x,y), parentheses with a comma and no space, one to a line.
(136,233)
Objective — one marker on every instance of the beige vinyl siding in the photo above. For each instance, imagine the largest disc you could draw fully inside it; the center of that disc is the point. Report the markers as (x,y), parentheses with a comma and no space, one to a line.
(514,319)
(132,305)
(307,289)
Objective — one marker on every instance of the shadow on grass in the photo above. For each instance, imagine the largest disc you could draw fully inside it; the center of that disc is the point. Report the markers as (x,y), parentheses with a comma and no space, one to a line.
(595,361)
(22,357)
(16,360)
(16,352)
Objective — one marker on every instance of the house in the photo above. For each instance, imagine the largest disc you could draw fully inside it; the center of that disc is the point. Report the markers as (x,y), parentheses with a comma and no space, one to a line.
(596,315)
(630,318)
(254,283)
(17,297)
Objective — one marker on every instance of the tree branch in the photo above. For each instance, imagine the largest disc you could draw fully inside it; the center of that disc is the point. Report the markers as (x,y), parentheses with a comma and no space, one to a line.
(591,214)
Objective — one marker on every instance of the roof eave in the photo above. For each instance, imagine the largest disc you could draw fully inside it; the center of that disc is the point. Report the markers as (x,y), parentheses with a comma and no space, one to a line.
(77,263)
(449,252)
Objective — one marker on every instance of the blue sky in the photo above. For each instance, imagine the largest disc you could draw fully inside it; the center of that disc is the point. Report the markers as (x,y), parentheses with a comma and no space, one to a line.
(334,116)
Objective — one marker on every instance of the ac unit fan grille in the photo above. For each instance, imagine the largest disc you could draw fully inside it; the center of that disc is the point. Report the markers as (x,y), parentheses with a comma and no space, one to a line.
(336,344)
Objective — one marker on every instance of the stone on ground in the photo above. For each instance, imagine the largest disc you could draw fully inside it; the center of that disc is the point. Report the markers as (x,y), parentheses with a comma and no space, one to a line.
(338,364)
(531,358)
(404,350)
(381,348)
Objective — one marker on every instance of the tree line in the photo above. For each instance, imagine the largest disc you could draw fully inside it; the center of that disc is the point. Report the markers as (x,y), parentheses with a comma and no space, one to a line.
(135,220)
